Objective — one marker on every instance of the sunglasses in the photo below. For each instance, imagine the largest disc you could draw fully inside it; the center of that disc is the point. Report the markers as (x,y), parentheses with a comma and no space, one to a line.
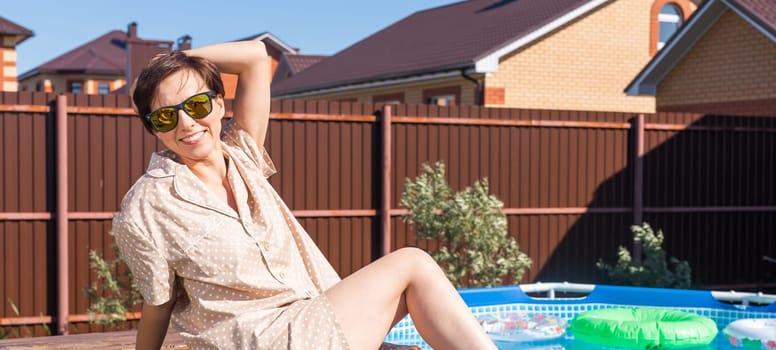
(198,106)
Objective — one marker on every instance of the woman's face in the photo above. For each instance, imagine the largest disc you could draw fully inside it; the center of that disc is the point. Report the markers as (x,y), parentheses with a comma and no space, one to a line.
(193,140)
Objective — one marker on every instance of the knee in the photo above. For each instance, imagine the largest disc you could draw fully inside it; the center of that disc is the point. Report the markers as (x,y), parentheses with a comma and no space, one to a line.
(417,260)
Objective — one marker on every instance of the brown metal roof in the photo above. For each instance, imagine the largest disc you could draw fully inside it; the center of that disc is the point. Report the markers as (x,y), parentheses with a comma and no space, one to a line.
(104,55)
(8,27)
(761,11)
(447,37)
(298,63)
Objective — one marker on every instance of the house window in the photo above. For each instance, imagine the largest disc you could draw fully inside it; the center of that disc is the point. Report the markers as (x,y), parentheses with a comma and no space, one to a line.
(444,96)
(442,100)
(396,98)
(103,88)
(75,87)
(669,21)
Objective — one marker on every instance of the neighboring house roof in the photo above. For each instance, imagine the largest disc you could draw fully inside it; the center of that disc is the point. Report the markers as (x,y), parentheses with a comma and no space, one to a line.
(10,28)
(273,40)
(104,55)
(472,34)
(761,14)
(297,63)
(291,64)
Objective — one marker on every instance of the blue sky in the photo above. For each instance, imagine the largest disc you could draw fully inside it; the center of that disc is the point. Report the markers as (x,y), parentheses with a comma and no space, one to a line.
(315,27)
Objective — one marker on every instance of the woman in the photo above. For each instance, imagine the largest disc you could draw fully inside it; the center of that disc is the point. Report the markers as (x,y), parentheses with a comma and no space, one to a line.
(212,245)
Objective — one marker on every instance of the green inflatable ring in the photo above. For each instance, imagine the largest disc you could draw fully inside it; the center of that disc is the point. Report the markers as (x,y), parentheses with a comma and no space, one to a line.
(643,328)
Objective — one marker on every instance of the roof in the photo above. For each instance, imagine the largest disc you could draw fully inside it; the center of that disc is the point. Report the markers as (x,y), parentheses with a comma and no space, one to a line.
(297,63)
(470,34)
(8,27)
(273,40)
(104,55)
(761,14)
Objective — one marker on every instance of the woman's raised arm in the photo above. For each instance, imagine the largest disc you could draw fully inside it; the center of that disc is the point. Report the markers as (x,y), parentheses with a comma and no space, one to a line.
(250,62)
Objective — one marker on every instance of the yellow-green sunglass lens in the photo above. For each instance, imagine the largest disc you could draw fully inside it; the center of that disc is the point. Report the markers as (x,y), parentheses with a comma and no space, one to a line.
(165,118)
(198,106)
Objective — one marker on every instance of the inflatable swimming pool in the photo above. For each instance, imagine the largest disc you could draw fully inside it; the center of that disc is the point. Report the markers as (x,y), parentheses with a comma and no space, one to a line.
(564,301)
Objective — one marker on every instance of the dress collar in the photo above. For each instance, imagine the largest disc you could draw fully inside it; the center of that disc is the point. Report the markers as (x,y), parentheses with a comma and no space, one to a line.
(185,184)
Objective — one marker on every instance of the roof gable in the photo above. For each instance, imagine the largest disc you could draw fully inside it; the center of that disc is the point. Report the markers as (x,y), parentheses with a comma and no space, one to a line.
(761,14)
(10,28)
(272,40)
(450,37)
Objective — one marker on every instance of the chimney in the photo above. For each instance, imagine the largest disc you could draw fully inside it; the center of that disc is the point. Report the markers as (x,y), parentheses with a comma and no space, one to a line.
(184,42)
(132,30)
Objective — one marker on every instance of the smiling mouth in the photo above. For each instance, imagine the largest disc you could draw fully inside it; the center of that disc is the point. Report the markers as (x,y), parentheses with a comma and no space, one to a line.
(193,137)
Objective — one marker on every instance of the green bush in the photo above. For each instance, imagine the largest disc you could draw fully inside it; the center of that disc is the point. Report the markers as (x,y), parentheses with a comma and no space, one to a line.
(471,229)
(113,294)
(656,270)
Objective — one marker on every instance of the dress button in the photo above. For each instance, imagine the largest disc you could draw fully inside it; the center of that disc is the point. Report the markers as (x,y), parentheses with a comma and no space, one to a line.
(281,276)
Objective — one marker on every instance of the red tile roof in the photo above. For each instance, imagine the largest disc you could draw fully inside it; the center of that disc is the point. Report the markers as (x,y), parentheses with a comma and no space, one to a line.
(104,55)
(446,37)
(8,27)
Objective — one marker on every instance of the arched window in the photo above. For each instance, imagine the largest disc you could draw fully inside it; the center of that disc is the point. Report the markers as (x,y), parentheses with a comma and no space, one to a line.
(669,20)
(666,17)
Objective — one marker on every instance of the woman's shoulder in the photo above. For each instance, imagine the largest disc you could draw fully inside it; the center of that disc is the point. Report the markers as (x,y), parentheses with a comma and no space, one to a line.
(155,183)
(245,148)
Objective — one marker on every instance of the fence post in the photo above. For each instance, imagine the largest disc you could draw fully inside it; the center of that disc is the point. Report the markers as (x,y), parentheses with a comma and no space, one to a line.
(638,181)
(61,217)
(385,204)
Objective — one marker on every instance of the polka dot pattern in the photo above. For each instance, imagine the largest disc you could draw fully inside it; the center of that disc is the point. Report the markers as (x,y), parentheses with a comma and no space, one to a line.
(246,279)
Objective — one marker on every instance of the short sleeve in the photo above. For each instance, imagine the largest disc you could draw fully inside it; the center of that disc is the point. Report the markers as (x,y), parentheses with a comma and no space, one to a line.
(150,269)
(234,135)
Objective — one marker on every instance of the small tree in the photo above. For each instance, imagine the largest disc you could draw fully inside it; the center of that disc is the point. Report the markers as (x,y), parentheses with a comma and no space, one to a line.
(470,227)
(655,271)
(112,295)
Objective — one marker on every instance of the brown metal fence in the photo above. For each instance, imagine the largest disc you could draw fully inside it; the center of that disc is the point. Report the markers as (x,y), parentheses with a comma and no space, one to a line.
(572,183)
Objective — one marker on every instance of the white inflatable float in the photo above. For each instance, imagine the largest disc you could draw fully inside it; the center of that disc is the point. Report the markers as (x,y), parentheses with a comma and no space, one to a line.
(522,326)
(752,332)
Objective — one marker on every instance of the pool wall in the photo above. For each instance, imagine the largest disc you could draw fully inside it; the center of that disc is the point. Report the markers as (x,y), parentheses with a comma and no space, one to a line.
(605,294)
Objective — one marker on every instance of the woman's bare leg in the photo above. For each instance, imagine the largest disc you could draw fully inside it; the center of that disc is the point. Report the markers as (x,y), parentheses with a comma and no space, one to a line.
(371,300)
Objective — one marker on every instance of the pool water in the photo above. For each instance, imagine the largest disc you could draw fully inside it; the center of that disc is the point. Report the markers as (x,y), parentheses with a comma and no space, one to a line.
(505,300)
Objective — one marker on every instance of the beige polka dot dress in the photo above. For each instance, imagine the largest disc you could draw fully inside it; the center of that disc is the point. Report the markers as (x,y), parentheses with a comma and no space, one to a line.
(245,279)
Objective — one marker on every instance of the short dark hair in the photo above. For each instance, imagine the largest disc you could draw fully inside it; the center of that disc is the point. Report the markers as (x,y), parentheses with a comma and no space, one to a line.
(162,66)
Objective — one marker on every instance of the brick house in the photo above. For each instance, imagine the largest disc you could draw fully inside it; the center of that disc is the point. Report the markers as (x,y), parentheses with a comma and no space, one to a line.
(721,62)
(548,54)
(96,67)
(100,66)
(11,35)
